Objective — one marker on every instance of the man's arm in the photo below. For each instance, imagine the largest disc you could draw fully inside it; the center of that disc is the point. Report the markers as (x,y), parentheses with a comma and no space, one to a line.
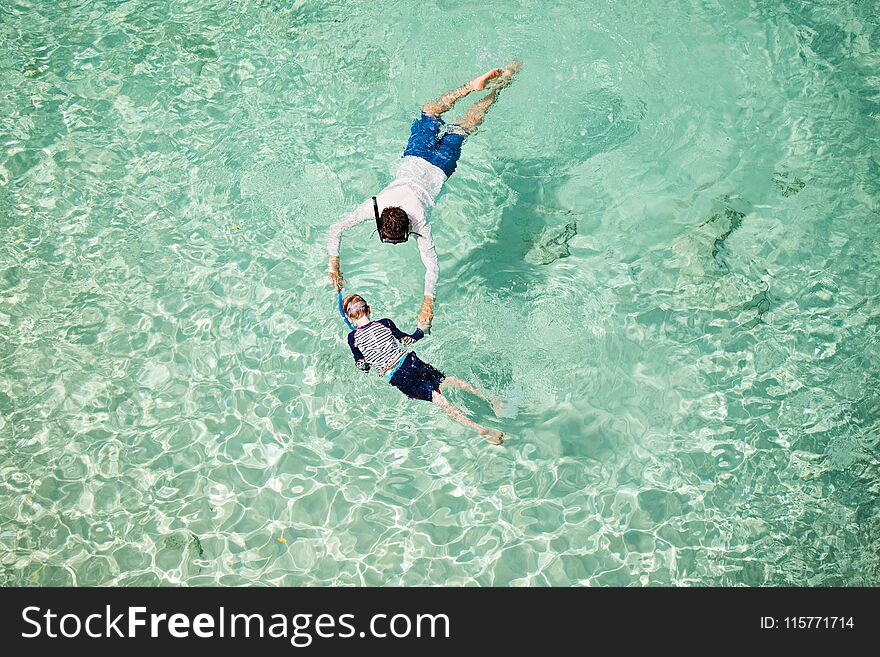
(432,273)
(334,238)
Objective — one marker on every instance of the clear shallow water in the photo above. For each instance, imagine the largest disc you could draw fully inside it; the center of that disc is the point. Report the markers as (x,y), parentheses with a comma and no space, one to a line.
(662,245)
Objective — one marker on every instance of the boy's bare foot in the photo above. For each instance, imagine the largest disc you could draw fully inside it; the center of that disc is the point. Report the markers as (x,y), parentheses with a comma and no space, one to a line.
(497,406)
(493,435)
(479,83)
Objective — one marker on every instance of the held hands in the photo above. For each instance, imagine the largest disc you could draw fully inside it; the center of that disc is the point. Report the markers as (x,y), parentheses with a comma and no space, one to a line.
(337,280)
(426,316)
(335,275)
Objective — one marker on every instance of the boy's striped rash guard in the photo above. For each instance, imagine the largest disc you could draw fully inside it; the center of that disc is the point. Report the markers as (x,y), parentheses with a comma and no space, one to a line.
(378,343)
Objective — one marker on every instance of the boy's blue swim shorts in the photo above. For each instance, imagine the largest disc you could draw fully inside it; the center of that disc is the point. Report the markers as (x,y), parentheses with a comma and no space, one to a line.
(417,379)
(426,142)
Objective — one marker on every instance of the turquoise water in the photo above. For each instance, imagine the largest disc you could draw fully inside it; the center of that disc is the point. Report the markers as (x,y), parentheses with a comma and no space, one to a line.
(661,247)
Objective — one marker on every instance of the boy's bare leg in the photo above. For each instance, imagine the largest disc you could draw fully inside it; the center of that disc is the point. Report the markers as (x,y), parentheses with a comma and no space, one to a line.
(477,112)
(455,382)
(447,100)
(492,435)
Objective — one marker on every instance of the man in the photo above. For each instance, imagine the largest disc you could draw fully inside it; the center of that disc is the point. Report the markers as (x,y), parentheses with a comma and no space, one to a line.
(403,207)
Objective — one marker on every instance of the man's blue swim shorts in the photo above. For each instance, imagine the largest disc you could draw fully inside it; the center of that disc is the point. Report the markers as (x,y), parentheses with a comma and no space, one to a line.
(426,142)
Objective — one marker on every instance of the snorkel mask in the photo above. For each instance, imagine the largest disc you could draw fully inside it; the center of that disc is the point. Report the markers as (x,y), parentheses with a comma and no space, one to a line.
(354,307)
(387,240)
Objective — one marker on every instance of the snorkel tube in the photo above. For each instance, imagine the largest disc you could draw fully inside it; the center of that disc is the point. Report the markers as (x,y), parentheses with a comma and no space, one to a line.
(342,312)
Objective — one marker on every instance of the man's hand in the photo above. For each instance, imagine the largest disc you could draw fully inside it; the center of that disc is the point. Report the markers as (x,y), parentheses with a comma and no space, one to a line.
(426,316)
(335,275)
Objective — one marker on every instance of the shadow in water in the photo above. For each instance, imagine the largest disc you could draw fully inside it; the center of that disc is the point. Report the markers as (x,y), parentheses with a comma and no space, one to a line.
(536,230)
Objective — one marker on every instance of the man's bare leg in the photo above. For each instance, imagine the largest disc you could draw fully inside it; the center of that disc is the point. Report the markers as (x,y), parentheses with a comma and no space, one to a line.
(447,100)
(477,112)
(492,435)
(455,382)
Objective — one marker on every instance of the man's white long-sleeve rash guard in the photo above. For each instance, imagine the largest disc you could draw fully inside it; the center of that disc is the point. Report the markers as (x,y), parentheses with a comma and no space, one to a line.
(414,189)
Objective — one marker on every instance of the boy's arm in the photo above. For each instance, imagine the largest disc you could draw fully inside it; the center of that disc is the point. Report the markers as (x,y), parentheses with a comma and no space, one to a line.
(359,360)
(334,238)
(417,335)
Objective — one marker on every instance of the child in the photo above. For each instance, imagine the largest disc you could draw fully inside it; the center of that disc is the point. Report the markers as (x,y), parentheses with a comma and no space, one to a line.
(378,345)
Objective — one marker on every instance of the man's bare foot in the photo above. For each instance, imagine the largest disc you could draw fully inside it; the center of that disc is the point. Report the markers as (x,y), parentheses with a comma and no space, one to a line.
(479,83)
(493,435)
(507,76)
(514,67)
(497,406)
